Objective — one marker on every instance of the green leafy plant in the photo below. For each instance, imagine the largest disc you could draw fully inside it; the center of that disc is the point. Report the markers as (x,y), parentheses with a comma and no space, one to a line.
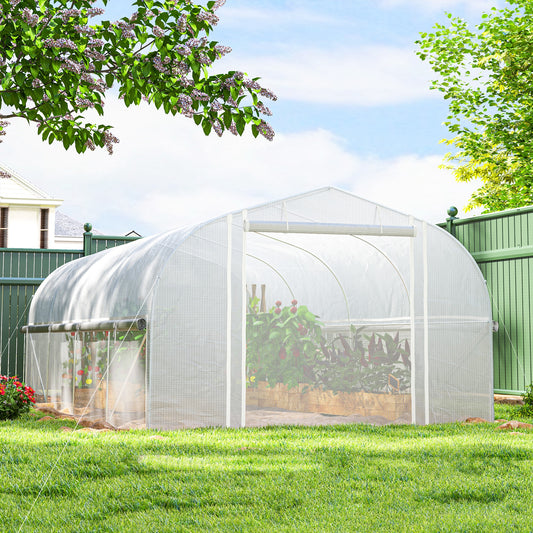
(527,408)
(15,397)
(378,363)
(281,344)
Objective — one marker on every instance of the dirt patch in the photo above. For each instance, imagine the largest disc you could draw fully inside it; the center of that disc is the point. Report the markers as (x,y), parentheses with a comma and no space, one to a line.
(279,417)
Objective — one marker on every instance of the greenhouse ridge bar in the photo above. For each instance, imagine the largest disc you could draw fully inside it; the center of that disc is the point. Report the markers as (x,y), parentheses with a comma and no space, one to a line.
(325,228)
(360,320)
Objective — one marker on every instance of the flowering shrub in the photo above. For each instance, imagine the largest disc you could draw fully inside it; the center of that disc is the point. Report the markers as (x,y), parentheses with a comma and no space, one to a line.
(57,62)
(282,344)
(15,397)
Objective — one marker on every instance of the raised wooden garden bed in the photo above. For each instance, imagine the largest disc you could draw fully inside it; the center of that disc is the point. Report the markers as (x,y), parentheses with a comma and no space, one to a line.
(389,406)
(130,401)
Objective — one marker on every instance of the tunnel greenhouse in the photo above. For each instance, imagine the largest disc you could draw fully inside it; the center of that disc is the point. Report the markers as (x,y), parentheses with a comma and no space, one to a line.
(320,308)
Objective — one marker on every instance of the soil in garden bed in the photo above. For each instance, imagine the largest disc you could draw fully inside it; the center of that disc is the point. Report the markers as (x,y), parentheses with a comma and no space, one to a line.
(260,417)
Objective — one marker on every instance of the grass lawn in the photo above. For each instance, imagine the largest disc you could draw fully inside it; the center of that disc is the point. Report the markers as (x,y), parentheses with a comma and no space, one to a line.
(449,477)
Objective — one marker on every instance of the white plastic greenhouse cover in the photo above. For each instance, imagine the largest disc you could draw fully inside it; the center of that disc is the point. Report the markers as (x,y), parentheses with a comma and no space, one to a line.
(404,282)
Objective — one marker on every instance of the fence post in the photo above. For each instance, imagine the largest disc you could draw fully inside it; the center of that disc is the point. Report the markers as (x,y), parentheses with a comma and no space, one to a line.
(87,239)
(450,226)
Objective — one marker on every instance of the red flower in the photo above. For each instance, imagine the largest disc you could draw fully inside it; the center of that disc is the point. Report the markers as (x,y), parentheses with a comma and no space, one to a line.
(277,310)
(294,309)
(278,303)
(294,302)
(90,368)
(283,353)
(80,372)
(97,369)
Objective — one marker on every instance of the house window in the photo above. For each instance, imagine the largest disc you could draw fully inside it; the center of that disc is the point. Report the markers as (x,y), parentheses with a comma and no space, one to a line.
(44,229)
(3,227)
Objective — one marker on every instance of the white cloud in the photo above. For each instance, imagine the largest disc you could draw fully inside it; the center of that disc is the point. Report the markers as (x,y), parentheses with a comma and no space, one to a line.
(166,173)
(288,16)
(366,76)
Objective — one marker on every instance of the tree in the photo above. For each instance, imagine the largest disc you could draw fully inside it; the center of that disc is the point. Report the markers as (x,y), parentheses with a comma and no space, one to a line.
(55,69)
(486,74)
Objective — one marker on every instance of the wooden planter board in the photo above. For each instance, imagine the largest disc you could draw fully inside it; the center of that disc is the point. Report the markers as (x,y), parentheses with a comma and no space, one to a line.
(389,406)
(131,401)
(88,398)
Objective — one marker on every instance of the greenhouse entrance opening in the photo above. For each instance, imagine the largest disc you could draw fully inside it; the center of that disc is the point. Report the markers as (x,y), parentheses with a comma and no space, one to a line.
(325,344)
(100,372)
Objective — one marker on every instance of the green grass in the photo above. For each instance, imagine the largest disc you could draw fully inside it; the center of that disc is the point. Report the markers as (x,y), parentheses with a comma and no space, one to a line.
(449,477)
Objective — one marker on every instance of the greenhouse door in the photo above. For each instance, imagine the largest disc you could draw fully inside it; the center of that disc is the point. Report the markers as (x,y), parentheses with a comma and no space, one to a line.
(308,369)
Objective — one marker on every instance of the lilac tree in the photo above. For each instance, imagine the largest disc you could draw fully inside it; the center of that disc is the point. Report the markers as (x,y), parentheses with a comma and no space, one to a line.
(57,62)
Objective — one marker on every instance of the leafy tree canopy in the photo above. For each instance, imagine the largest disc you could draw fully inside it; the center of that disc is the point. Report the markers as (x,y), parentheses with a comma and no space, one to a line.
(486,74)
(56,64)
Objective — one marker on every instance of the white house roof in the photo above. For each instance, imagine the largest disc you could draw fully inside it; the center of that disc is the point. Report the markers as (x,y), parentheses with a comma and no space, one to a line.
(19,190)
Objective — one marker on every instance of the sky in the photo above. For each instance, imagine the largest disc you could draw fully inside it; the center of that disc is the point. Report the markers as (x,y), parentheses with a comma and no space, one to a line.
(354,111)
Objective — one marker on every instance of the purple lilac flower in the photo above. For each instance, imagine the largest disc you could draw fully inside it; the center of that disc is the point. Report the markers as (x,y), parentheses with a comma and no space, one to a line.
(199,95)
(183,50)
(158,65)
(267,93)
(266,130)
(95,11)
(217,126)
(67,14)
(59,43)
(109,140)
(73,66)
(209,16)
(84,103)
(251,84)
(30,17)
(87,30)
(264,109)
(158,32)
(182,23)
(222,50)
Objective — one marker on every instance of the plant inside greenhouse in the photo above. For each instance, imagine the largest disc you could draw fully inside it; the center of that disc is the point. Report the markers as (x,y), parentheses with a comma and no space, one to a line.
(287,345)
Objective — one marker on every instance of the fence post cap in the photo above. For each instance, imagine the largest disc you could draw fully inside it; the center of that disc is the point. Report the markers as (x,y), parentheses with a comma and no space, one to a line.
(87,227)
(452,211)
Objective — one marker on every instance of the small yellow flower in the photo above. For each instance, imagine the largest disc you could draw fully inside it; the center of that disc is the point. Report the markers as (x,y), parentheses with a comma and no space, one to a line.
(252,379)
(88,381)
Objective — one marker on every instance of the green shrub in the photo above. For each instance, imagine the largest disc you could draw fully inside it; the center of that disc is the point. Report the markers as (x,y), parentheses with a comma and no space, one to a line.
(527,408)
(15,397)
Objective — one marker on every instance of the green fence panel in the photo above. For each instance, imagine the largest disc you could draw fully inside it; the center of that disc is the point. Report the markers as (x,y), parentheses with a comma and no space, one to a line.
(502,245)
(21,273)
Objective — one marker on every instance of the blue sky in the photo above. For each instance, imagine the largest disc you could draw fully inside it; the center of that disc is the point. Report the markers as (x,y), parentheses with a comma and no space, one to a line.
(354,111)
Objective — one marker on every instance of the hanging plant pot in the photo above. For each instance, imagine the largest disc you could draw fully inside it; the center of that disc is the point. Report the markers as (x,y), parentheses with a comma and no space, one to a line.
(389,406)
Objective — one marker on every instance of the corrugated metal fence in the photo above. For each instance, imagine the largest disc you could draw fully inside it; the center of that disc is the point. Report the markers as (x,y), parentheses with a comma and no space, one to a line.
(502,245)
(21,272)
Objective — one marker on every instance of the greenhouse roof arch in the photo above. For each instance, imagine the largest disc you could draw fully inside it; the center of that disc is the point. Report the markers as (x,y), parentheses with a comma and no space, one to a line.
(400,280)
